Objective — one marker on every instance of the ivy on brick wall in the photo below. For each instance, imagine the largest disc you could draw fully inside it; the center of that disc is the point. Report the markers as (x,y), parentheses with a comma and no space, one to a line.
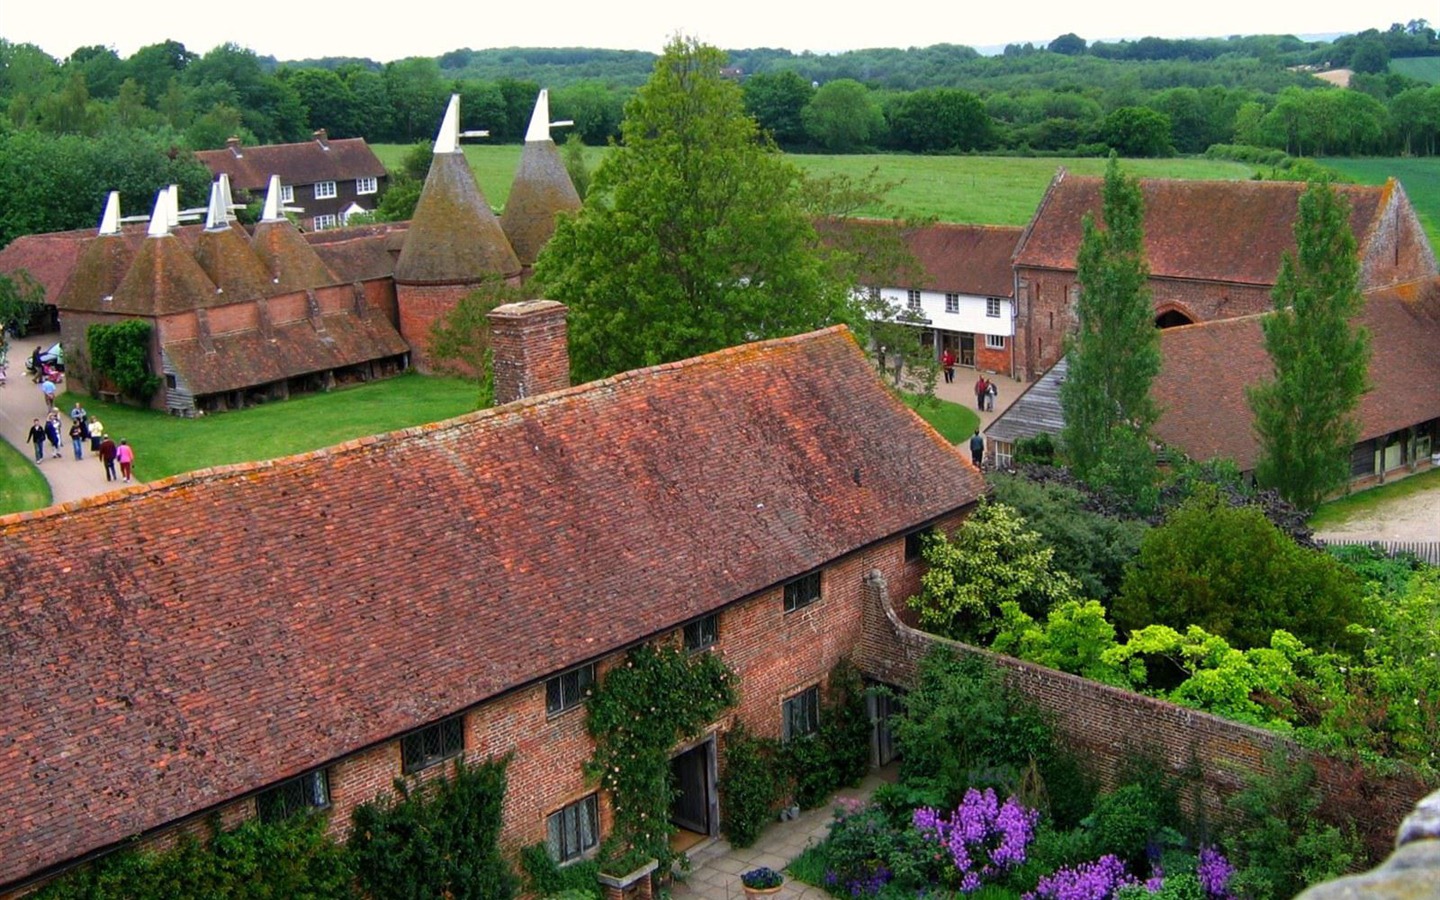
(641,709)
(838,755)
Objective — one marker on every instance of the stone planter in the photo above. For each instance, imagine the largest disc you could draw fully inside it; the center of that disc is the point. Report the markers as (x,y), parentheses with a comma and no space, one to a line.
(753,893)
(632,886)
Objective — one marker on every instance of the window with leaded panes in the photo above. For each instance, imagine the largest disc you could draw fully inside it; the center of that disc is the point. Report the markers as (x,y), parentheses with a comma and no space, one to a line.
(573,831)
(309,791)
(436,743)
(568,689)
(801,714)
(802,591)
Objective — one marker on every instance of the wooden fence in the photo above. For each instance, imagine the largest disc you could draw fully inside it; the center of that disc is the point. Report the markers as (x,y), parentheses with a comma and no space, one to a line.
(1429,551)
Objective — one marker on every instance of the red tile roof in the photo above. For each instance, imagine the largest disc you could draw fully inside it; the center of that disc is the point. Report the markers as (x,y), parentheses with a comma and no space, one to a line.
(250,168)
(1205,368)
(1233,231)
(164,278)
(177,645)
(965,259)
(49,258)
(241,359)
(292,263)
(454,237)
(360,253)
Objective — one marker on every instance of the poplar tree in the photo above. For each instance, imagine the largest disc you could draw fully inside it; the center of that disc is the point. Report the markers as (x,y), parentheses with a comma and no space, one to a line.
(695,233)
(1304,416)
(1114,354)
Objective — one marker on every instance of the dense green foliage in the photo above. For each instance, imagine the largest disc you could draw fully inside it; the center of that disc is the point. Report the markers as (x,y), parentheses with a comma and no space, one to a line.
(1305,415)
(750,785)
(21,297)
(460,339)
(436,839)
(838,755)
(547,878)
(1114,353)
(695,235)
(991,559)
(639,712)
(120,354)
(1230,571)
(255,861)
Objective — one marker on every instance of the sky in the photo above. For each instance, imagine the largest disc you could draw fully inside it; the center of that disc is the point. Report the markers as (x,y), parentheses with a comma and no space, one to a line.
(287,29)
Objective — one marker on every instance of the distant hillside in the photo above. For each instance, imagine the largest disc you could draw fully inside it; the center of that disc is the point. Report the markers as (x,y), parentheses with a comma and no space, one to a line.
(1420,68)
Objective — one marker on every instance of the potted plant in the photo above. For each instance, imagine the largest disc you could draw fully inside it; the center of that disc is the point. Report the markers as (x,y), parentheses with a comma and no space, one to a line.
(761,882)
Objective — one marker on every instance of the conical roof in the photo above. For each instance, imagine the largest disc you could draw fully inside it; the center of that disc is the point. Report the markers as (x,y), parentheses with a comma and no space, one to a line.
(454,237)
(163,279)
(290,262)
(99,270)
(542,189)
(232,263)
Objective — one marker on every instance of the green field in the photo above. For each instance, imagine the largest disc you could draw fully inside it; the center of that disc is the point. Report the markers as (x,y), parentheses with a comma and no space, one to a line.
(22,486)
(167,445)
(986,190)
(1420,176)
(1421,68)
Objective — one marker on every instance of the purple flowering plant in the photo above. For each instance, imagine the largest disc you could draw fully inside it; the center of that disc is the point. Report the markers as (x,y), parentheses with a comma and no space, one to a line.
(983,838)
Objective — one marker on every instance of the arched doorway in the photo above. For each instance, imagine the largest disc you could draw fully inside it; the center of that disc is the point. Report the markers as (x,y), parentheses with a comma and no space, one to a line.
(1172,318)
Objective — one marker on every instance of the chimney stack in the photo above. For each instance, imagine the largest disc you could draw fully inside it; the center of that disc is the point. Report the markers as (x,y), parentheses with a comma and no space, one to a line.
(232,144)
(528,348)
(322,137)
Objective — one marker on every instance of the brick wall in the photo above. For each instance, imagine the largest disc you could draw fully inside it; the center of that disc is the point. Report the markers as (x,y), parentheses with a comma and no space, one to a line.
(1108,726)
(419,307)
(988,359)
(530,354)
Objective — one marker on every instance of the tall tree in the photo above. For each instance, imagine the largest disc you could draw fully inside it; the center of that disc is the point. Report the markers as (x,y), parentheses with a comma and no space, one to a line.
(1114,355)
(1304,416)
(695,234)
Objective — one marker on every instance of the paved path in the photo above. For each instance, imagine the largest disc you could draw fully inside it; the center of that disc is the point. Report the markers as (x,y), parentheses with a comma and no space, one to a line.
(21,403)
(715,869)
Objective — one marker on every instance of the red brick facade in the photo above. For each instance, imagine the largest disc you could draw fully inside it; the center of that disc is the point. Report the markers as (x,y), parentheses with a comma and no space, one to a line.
(529,349)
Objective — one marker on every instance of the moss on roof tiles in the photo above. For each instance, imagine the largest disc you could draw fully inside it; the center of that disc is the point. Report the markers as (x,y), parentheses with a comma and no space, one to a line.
(454,237)
(542,190)
(231,262)
(164,278)
(291,263)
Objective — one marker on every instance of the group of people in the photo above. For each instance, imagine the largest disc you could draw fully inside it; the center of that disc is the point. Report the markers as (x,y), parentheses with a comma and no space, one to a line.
(83,430)
(985,393)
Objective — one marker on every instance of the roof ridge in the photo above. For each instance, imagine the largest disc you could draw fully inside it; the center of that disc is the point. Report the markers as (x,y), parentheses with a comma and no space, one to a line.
(367,443)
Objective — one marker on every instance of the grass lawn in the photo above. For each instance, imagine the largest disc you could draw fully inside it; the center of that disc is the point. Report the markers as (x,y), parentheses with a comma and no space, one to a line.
(955,422)
(987,190)
(1421,68)
(1420,177)
(168,445)
(1364,503)
(22,487)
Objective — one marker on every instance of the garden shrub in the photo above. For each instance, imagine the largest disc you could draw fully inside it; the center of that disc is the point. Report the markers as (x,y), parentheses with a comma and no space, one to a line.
(1280,843)
(547,878)
(1091,547)
(838,755)
(121,354)
(749,786)
(289,858)
(1124,822)
(1039,450)
(1231,572)
(440,838)
(960,718)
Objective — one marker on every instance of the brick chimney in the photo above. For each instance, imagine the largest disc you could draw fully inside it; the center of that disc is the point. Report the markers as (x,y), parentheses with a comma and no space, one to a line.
(528,349)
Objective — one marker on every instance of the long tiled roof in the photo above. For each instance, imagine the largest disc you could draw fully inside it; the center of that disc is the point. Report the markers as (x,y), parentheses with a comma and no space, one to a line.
(177,645)
(240,359)
(966,259)
(49,258)
(309,162)
(1232,231)
(1206,367)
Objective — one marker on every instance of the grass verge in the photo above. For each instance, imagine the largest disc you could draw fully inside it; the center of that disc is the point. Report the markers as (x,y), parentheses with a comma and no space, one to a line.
(955,422)
(1364,503)
(167,445)
(22,487)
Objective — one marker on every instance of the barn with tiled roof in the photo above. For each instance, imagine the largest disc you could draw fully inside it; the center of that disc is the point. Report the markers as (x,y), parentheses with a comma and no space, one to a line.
(177,649)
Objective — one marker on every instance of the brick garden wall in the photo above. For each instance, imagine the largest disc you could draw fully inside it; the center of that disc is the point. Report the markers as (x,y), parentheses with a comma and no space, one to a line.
(1108,727)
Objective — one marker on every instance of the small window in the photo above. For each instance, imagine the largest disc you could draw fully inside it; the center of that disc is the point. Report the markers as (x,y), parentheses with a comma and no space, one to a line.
(802,591)
(873,293)
(995,341)
(992,307)
(428,746)
(801,714)
(287,193)
(171,381)
(702,634)
(912,299)
(568,689)
(952,303)
(915,542)
(309,791)
(1004,451)
(324,189)
(367,185)
(574,830)
(326,221)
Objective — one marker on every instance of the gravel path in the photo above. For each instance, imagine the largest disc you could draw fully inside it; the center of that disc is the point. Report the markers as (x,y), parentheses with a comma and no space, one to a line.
(1413,518)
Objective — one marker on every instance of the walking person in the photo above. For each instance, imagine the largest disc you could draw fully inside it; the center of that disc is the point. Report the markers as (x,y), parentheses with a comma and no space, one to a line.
(981,386)
(37,437)
(947,362)
(125,456)
(991,392)
(47,387)
(107,456)
(977,448)
(77,438)
(52,432)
